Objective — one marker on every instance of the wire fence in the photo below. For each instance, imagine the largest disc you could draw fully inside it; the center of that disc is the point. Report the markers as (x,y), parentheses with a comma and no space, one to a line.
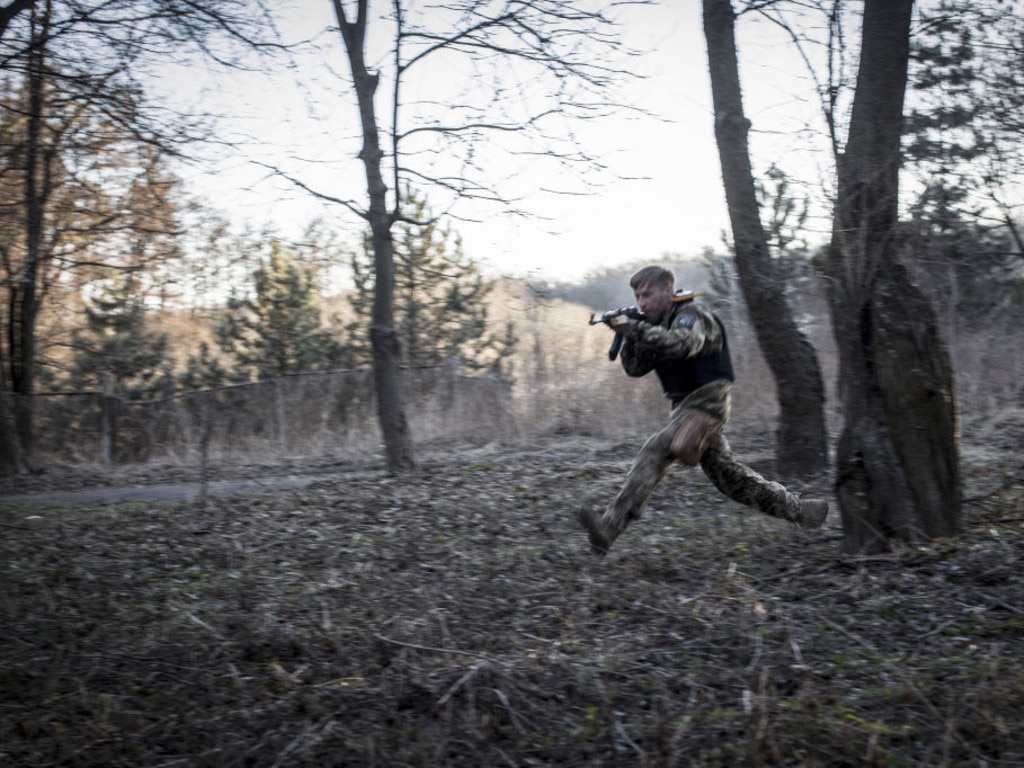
(335,413)
(305,414)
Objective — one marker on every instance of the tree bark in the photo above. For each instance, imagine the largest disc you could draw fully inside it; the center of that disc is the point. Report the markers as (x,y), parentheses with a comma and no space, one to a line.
(383,334)
(12,460)
(897,459)
(802,443)
(10,11)
(23,310)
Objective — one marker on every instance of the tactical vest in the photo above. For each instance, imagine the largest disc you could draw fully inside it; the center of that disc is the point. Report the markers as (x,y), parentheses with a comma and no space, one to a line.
(681,376)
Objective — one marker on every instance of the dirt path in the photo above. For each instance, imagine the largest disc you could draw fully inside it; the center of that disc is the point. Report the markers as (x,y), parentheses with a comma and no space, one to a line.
(174,493)
(72,486)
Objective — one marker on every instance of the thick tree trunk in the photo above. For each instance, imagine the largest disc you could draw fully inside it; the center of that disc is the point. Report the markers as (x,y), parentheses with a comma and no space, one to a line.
(383,335)
(24,292)
(12,460)
(897,462)
(22,314)
(387,355)
(10,11)
(802,439)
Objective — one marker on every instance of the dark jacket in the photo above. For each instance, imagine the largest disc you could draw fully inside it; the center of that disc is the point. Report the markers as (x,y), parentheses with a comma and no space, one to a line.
(687,350)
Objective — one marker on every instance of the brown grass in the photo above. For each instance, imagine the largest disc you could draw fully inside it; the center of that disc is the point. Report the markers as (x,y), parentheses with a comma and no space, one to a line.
(454,617)
(559,382)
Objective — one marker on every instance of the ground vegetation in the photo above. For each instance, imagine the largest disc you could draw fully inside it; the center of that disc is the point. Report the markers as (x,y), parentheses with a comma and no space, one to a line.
(453,616)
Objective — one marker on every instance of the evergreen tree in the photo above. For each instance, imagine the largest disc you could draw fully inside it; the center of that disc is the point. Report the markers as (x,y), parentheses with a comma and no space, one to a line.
(962,128)
(117,342)
(278,330)
(440,297)
(962,148)
(202,371)
(83,153)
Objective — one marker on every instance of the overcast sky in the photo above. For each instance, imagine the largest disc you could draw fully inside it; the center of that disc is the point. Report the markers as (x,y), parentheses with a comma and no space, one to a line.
(673,202)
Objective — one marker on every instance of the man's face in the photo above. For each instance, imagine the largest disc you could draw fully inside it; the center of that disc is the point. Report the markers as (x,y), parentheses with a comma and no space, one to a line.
(654,300)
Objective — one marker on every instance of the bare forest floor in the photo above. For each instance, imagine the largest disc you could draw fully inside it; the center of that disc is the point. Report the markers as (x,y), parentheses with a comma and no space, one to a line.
(455,617)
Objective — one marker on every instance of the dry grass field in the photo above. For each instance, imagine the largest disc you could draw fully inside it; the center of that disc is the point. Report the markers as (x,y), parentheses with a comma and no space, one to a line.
(455,617)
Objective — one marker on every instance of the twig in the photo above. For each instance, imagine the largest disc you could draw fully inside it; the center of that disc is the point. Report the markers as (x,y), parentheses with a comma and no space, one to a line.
(15,527)
(758,650)
(1004,604)
(204,625)
(461,682)
(850,635)
(675,753)
(431,649)
(625,737)
(939,628)
(511,712)
(289,748)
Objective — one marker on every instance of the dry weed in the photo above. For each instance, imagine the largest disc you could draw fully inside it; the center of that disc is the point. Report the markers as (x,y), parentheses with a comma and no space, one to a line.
(454,617)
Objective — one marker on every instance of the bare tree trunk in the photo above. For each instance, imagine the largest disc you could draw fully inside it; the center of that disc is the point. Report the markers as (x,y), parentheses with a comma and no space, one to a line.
(10,11)
(802,439)
(897,463)
(108,419)
(383,335)
(12,460)
(24,293)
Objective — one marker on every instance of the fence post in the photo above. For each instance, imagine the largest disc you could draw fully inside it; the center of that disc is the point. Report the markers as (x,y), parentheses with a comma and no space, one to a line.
(454,416)
(205,432)
(279,415)
(108,418)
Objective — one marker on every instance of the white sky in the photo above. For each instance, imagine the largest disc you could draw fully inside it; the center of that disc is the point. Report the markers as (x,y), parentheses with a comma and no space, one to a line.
(673,200)
(676,207)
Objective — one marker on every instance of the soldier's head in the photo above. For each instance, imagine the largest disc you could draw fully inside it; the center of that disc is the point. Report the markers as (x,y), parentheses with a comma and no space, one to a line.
(653,288)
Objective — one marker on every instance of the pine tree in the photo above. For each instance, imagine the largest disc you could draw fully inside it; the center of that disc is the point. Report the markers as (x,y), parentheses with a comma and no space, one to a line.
(962,149)
(440,297)
(278,329)
(202,371)
(119,343)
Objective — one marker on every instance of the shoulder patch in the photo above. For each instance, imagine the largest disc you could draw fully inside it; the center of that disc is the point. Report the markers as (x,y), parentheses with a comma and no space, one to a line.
(686,319)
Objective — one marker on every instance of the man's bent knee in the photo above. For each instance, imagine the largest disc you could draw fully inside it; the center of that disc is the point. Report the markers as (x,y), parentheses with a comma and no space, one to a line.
(696,432)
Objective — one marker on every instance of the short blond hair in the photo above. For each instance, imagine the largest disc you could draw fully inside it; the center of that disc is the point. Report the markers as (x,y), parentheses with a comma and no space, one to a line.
(652,276)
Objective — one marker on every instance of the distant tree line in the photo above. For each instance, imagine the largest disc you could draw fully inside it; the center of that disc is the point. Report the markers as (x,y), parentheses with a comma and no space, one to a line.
(85,185)
(273,323)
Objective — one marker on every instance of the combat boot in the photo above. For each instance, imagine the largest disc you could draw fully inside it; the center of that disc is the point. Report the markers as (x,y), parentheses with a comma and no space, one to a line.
(812,513)
(601,534)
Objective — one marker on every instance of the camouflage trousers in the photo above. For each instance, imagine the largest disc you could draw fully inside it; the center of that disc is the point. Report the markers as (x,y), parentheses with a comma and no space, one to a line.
(737,481)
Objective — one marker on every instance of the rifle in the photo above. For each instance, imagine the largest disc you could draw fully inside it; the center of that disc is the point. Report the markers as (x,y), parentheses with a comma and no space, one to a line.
(633,313)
